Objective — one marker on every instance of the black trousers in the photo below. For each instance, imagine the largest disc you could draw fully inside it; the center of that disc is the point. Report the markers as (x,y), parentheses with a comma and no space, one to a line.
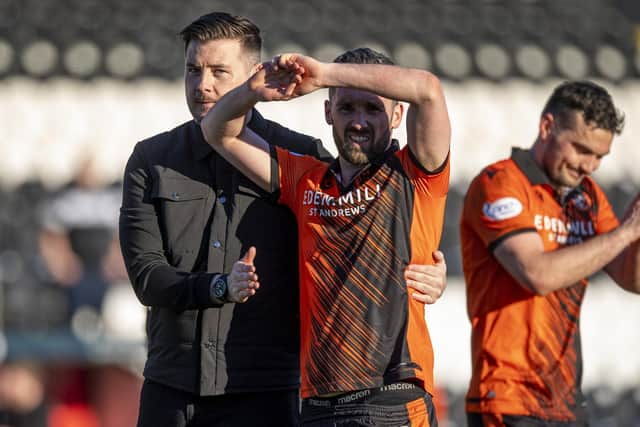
(162,406)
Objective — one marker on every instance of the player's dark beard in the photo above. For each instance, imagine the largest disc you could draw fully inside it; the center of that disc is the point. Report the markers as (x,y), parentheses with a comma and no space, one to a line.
(355,153)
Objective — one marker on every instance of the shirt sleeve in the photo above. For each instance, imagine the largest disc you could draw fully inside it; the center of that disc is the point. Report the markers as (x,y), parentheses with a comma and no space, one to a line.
(606,219)
(290,168)
(497,206)
(435,184)
(51,218)
(154,280)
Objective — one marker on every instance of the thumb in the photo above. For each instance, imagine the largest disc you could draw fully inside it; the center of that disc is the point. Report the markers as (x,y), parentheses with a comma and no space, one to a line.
(249,255)
(438,257)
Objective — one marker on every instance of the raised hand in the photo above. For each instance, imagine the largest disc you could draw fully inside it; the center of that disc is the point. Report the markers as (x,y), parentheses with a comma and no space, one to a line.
(243,280)
(309,70)
(429,281)
(274,83)
(631,217)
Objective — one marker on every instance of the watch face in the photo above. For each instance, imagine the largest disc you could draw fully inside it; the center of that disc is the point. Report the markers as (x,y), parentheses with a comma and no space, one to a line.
(219,288)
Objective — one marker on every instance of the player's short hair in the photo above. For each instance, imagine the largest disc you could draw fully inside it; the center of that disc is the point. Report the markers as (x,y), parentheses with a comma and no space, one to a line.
(361,55)
(587,98)
(223,26)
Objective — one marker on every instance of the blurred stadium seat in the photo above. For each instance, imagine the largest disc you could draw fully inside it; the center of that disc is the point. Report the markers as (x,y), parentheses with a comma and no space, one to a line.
(128,40)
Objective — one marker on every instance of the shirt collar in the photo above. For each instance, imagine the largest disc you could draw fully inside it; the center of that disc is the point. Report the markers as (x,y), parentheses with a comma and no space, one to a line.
(524,160)
(333,172)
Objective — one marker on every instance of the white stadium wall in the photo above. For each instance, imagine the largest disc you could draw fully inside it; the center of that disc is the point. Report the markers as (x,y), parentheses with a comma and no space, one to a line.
(49,126)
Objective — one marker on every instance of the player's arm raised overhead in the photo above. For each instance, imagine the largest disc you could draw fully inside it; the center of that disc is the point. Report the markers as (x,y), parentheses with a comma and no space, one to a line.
(224,125)
(428,126)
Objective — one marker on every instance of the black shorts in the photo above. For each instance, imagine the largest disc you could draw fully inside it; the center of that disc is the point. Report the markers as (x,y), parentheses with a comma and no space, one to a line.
(163,406)
(397,404)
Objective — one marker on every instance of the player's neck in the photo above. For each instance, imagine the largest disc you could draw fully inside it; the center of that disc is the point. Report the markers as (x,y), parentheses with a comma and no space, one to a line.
(349,171)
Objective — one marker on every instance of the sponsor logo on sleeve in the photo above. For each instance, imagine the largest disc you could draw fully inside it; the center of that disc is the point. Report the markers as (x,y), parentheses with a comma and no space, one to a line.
(501,209)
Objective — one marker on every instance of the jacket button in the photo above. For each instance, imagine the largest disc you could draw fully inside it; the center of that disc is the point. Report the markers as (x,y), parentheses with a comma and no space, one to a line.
(175,195)
(216,244)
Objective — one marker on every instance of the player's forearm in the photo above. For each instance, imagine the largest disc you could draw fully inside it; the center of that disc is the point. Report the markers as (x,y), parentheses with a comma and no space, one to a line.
(224,129)
(564,267)
(225,121)
(403,84)
(625,268)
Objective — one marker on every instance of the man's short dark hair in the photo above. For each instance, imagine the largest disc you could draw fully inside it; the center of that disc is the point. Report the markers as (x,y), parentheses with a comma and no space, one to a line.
(363,55)
(591,100)
(223,26)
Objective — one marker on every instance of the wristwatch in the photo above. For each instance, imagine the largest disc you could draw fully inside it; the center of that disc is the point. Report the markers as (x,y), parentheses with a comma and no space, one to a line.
(218,289)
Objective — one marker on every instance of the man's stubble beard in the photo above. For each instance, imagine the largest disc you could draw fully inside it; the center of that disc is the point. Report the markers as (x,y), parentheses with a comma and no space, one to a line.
(354,154)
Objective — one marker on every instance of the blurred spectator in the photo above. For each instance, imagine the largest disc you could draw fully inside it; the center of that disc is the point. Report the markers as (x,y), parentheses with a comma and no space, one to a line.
(92,396)
(78,240)
(69,395)
(22,391)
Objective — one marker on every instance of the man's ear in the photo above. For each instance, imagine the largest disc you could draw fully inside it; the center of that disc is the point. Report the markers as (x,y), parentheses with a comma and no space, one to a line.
(327,112)
(396,115)
(546,126)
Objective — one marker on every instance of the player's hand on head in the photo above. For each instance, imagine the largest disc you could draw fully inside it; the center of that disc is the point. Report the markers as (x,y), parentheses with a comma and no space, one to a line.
(427,282)
(272,83)
(306,67)
(243,280)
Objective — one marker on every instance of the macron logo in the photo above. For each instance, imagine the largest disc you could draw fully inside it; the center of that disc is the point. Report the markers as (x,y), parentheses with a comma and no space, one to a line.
(501,209)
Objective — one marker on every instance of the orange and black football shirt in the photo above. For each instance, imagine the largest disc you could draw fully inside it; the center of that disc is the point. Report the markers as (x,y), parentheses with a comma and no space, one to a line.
(359,326)
(526,354)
